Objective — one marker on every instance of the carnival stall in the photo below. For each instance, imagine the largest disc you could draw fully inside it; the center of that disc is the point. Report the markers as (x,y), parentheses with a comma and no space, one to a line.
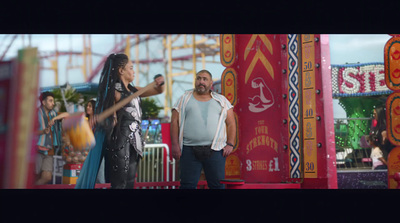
(359,88)
(279,82)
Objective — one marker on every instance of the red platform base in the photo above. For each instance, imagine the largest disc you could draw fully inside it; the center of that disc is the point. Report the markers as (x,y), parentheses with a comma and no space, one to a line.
(240,184)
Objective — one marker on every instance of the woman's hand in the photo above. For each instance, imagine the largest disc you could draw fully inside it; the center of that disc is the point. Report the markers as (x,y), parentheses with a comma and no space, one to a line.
(115,121)
(159,81)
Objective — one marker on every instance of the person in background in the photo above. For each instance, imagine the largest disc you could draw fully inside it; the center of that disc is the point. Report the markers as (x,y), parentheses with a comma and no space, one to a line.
(89,114)
(378,161)
(48,133)
(378,129)
(89,110)
(203,131)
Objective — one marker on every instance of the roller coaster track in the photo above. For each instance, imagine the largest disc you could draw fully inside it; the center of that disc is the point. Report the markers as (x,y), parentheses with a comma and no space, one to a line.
(63,53)
(119,47)
(8,47)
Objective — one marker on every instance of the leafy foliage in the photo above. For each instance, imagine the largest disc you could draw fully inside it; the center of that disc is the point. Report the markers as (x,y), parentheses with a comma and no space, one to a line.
(150,108)
(71,97)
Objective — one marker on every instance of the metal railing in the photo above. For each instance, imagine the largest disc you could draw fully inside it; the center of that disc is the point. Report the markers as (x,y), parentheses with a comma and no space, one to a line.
(58,166)
(156,165)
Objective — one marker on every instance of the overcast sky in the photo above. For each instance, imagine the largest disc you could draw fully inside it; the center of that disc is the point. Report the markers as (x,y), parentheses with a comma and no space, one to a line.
(343,49)
(352,49)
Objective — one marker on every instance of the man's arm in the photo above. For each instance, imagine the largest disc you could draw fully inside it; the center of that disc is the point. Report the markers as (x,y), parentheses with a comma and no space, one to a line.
(43,131)
(174,131)
(231,132)
(61,116)
(58,117)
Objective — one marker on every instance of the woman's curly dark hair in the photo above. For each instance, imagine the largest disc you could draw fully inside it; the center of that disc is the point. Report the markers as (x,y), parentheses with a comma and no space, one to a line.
(109,77)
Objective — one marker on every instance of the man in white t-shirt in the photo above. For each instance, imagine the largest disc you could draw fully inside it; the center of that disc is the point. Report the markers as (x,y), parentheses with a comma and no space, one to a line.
(203,131)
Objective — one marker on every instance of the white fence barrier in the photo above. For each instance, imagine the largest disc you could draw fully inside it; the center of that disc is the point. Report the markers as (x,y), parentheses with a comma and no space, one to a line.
(156,165)
(58,168)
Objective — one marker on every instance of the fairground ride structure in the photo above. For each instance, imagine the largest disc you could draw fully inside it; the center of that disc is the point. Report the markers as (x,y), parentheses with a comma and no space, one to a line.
(177,56)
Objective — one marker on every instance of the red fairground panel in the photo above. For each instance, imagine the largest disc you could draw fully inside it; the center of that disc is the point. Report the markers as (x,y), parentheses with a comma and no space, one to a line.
(229,85)
(19,162)
(392,63)
(393,118)
(227,49)
(325,113)
(393,167)
(281,106)
(259,82)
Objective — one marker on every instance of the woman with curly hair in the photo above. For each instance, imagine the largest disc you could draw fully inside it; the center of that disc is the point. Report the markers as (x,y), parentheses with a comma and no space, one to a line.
(118,137)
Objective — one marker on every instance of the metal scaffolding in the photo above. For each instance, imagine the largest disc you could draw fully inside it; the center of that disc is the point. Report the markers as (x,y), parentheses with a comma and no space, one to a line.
(197,49)
(178,55)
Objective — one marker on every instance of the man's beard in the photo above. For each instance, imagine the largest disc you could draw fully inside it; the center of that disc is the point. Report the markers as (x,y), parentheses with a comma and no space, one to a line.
(202,90)
(49,107)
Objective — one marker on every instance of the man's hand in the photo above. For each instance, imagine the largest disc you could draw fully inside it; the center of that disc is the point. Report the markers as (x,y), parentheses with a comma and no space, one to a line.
(176,152)
(51,123)
(231,132)
(47,130)
(227,150)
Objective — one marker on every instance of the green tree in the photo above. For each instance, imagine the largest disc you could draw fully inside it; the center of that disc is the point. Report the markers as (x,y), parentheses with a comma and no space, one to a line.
(150,108)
